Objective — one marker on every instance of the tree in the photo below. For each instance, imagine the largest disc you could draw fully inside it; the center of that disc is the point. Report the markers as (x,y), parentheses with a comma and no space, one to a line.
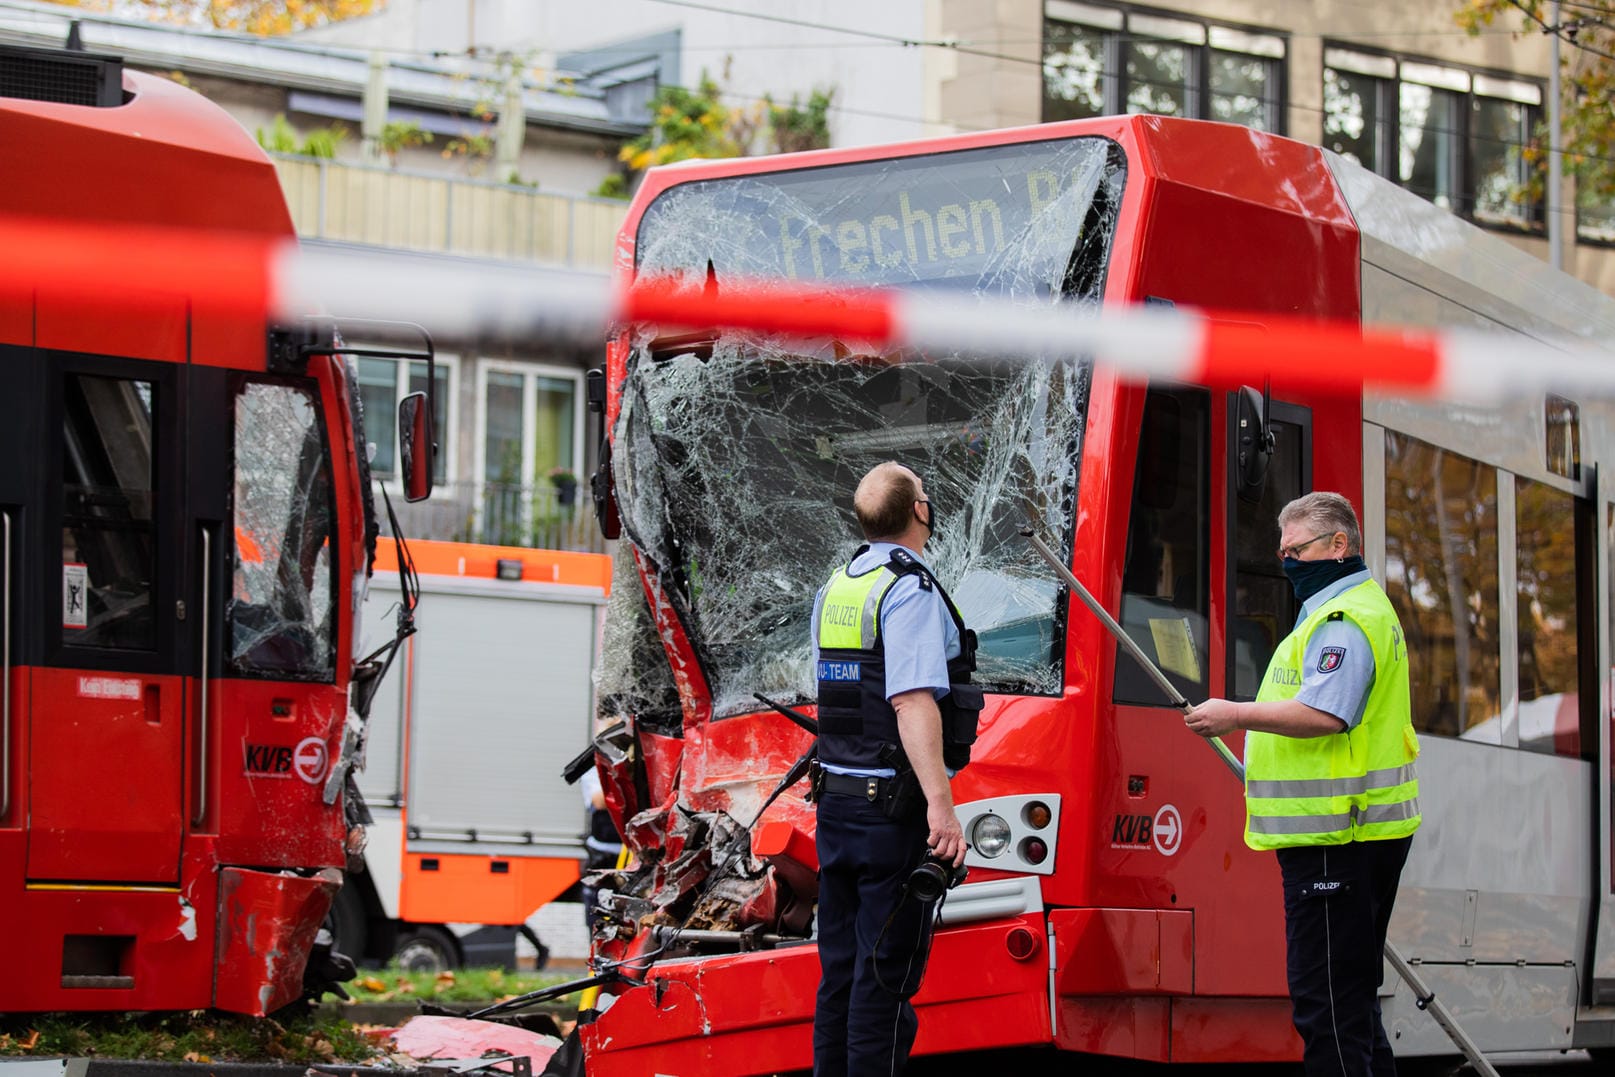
(687,123)
(252,16)
(1587,112)
(805,127)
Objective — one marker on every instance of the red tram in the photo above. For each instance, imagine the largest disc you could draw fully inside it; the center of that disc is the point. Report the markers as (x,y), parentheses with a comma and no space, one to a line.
(187,536)
(1112,906)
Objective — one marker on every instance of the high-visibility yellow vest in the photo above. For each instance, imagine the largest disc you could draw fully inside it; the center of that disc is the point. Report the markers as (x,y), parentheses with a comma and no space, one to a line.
(1357,785)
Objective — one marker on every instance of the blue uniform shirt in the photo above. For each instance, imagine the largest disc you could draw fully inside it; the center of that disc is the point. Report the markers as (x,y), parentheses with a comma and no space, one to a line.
(1337,683)
(916,630)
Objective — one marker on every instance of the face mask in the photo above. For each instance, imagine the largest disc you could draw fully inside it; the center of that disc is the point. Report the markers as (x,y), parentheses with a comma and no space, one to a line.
(930,518)
(1310,577)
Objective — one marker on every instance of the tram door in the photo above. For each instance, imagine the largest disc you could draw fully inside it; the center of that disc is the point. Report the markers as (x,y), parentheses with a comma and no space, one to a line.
(1264,608)
(106,715)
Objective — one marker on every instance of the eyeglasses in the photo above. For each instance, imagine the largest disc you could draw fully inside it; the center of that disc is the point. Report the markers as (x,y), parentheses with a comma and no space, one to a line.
(1295,551)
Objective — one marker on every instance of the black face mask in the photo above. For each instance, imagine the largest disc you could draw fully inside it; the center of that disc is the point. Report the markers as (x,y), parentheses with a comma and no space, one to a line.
(1310,577)
(930,518)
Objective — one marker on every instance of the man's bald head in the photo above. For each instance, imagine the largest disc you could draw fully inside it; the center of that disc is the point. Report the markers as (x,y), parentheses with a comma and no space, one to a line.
(884,501)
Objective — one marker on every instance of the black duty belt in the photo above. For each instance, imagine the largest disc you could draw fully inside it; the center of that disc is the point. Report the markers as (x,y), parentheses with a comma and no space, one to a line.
(856,785)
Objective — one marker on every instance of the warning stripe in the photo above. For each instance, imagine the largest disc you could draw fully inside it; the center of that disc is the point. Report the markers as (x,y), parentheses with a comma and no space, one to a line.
(125,267)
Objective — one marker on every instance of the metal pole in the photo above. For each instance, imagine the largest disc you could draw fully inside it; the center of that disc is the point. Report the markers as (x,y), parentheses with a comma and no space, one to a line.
(1224,753)
(1423,997)
(1556,227)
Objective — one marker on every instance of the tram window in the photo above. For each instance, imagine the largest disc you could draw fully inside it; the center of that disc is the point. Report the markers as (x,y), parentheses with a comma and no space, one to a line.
(1441,576)
(1545,567)
(108,533)
(280,607)
(1164,580)
(1264,607)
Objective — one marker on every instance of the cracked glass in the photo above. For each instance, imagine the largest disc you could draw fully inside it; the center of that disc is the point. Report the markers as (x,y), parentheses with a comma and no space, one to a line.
(279,614)
(739,452)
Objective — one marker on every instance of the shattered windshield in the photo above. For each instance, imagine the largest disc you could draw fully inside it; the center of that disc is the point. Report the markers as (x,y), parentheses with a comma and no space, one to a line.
(738,456)
(280,609)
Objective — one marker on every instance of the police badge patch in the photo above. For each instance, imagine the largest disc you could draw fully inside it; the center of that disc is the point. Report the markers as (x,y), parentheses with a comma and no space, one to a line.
(1330,659)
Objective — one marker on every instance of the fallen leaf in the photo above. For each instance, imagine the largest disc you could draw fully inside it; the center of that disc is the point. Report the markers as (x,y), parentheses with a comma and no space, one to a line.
(31,1042)
(370,983)
(196,1056)
(445,978)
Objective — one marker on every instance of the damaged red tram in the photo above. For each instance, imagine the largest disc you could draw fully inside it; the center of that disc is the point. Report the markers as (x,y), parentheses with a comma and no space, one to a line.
(187,535)
(1112,906)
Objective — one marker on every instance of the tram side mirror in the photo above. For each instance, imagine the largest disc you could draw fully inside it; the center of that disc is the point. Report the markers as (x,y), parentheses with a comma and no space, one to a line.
(416,449)
(1253,443)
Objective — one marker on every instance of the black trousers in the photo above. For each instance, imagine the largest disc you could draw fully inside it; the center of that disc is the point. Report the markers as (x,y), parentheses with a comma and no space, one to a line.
(872,939)
(1337,906)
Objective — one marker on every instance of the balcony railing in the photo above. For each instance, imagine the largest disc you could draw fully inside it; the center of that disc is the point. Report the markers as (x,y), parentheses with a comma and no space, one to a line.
(504,514)
(358,203)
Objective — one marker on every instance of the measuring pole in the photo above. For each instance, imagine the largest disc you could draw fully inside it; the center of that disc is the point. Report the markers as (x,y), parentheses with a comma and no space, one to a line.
(1424,998)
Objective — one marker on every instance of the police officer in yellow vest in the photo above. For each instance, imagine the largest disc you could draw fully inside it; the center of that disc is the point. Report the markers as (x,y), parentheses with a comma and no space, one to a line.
(1330,783)
(892,661)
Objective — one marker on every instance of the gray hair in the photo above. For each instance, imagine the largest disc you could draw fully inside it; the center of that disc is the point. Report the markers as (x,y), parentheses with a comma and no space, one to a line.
(1328,512)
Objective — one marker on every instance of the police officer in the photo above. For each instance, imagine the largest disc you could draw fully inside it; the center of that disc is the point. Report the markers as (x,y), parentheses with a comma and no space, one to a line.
(1330,783)
(601,842)
(884,632)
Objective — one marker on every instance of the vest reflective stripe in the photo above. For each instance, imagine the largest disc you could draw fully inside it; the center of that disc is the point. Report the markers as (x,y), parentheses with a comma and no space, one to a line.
(1333,787)
(1318,824)
(1358,785)
(847,593)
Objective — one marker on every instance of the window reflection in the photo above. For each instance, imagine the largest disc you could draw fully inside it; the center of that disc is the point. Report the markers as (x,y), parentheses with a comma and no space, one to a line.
(1164,585)
(1158,78)
(1545,566)
(1243,89)
(1353,116)
(1073,72)
(1441,575)
(1498,134)
(1428,162)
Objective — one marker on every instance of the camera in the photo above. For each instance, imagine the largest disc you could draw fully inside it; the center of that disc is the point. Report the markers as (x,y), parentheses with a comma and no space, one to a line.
(934,877)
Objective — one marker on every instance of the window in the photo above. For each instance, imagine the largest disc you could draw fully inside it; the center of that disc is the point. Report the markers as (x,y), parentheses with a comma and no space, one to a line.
(531,428)
(1165,584)
(1441,573)
(1595,215)
(1101,60)
(381,388)
(1545,574)
(1456,138)
(108,528)
(279,614)
(1264,604)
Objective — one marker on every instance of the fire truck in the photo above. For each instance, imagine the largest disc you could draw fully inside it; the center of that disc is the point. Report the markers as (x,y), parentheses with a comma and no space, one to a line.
(187,533)
(473,825)
(1112,907)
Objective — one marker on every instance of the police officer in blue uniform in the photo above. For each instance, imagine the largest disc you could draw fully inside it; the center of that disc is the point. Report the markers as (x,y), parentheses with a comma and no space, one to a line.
(893,660)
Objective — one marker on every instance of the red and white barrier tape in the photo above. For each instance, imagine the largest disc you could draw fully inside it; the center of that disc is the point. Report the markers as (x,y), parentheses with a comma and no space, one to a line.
(259,276)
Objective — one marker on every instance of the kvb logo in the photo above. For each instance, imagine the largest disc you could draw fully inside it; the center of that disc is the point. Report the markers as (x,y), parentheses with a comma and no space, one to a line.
(269,760)
(310,759)
(1162,831)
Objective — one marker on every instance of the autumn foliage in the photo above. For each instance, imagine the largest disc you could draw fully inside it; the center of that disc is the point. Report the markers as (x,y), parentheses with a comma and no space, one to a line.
(250,16)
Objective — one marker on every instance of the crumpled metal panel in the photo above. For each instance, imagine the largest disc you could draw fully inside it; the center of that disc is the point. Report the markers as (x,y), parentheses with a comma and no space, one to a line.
(267,924)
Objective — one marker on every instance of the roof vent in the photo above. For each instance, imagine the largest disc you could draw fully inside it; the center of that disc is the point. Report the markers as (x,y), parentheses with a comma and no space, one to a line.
(68,78)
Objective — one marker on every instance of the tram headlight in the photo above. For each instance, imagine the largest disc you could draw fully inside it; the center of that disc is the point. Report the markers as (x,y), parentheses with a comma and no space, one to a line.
(989,835)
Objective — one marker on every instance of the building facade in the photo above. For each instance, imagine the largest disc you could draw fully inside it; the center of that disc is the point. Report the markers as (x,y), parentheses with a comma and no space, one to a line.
(1397,87)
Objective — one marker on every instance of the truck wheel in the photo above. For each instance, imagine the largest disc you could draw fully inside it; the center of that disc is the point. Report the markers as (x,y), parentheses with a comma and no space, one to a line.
(425,949)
